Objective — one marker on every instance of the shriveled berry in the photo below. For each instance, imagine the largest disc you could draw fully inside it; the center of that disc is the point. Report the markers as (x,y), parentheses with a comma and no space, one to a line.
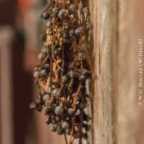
(57,118)
(59,130)
(84,131)
(52,127)
(72,8)
(41,56)
(45,97)
(43,72)
(65,78)
(44,50)
(54,11)
(86,111)
(36,74)
(78,30)
(71,73)
(71,33)
(82,77)
(48,23)
(70,111)
(61,13)
(65,125)
(45,15)
(56,92)
(32,105)
(58,110)
(46,66)
(78,112)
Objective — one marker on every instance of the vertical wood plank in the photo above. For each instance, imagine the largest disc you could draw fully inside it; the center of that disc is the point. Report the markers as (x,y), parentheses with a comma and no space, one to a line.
(105,40)
(126,108)
(115,109)
(5,89)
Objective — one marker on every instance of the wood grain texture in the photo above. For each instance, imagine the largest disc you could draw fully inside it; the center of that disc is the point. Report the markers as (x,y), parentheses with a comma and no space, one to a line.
(125,80)
(115,111)
(105,40)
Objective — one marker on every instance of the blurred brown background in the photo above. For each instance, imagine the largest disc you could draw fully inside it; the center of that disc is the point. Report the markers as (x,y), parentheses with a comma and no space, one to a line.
(19,43)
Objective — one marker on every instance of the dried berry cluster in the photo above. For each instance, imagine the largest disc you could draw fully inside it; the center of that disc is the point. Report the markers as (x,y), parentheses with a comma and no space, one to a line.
(64,76)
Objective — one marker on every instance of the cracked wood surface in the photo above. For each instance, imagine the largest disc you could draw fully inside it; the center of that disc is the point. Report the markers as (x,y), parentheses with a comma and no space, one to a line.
(115,35)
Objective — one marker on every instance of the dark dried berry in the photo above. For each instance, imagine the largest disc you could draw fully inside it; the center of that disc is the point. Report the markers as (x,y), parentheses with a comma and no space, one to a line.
(55,92)
(52,127)
(45,97)
(60,130)
(78,112)
(45,15)
(58,110)
(61,13)
(32,105)
(72,8)
(36,74)
(78,31)
(43,72)
(41,56)
(65,125)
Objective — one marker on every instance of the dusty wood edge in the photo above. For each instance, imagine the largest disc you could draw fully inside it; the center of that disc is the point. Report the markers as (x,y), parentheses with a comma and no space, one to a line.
(91,104)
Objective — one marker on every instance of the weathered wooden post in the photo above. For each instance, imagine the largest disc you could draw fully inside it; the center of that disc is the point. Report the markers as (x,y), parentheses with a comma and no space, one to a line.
(115,43)
(105,26)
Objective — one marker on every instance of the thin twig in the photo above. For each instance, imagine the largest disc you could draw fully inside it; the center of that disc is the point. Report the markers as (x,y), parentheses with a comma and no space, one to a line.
(66,140)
